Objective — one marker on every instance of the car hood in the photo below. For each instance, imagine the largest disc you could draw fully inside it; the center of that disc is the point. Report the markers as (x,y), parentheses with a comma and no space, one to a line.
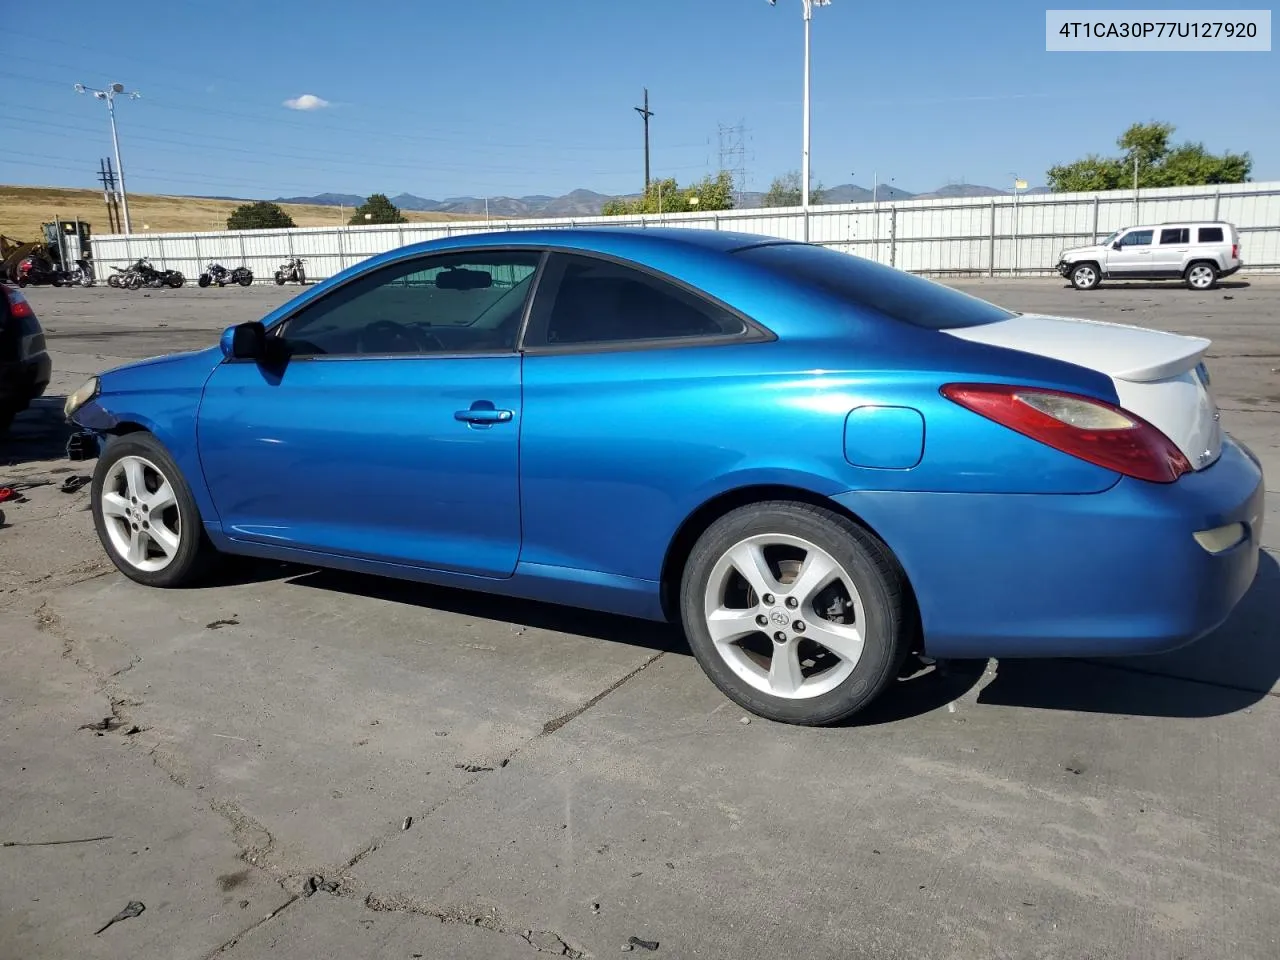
(187,365)
(1080,253)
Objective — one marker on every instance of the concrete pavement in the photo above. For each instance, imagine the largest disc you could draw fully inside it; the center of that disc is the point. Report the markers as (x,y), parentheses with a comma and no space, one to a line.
(301,763)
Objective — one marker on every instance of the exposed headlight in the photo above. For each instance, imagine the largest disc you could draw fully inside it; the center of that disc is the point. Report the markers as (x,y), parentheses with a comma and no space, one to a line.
(82,395)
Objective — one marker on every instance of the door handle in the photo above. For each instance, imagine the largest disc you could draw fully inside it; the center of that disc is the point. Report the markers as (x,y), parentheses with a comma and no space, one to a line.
(483,412)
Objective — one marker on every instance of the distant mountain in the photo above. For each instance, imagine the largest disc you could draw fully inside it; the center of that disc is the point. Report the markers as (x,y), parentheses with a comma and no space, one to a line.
(588,203)
(326,200)
(852,193)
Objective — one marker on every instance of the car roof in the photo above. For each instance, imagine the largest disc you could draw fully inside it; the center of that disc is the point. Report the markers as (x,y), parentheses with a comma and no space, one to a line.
(621,241)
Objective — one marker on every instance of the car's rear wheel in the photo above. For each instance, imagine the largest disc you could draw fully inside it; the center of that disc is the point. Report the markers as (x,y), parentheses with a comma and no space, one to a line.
(795,612)
(1085,276)
(145,514)
(1201,276)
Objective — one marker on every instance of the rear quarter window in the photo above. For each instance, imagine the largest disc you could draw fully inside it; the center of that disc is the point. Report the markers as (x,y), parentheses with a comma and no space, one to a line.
(875,287)
(1210,235)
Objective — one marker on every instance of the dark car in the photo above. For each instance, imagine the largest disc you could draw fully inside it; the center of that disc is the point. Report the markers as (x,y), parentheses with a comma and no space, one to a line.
(25,366)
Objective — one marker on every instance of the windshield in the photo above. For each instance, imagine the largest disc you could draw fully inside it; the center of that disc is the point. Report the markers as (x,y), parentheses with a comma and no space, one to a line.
(874,286)
(1111,239)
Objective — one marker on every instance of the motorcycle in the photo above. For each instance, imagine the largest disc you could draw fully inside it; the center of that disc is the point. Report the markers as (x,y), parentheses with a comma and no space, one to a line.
(82,274)
(291,271)
(141,273)
(35,271)
(217,273)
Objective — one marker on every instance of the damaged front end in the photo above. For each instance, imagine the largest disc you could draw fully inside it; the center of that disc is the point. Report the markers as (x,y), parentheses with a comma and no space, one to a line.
(84,445)
(83,410)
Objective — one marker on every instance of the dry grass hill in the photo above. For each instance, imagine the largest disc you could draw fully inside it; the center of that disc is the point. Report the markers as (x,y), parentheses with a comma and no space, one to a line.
(23,209)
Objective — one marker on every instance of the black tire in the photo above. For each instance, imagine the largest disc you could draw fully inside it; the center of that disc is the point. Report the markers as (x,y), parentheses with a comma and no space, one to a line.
(246,279)
(203,280)
(887,629)
(113,280)
(1085,276)
(279,279)
(195,556)
(22,281)
(1198,269)
(177,280)
(302,276)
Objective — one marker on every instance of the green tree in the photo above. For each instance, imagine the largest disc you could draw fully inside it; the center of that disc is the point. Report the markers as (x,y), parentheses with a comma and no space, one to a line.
(377,209)
(1160,164)
(667,196)
(263,215)
(786,191)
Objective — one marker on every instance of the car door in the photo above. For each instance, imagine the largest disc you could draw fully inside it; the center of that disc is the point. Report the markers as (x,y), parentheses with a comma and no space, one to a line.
(385,424)
(1169,254)
(1130,255)
(614,357)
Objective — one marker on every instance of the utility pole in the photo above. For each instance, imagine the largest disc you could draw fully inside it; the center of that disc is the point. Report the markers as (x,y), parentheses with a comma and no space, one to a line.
(107,177)
(109,95)
(645,114)
(733,154)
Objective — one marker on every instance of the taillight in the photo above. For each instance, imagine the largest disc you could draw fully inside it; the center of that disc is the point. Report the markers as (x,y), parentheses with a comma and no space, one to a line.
(1235,251)
(19,309)
(1090,429)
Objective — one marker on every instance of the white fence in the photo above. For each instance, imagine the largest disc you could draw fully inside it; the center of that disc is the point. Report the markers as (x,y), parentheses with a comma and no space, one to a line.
(985,236)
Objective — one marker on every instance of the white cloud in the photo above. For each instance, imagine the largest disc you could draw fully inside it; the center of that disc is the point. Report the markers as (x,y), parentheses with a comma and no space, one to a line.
(308,101)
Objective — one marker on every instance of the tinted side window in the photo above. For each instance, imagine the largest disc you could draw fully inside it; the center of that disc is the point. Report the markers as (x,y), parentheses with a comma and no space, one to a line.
(1175,235)
(597,301)
(873,286)
(1136,238)
(455,303)
(1210,234)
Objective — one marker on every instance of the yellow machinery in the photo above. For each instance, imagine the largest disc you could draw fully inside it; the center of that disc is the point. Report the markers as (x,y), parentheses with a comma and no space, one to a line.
(64,242)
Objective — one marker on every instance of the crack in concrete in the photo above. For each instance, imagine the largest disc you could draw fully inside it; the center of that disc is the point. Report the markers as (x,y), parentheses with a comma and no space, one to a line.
(230,944)
(551,726)
(543,941)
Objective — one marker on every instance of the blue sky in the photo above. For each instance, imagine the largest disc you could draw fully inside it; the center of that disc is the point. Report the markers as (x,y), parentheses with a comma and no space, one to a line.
(512,97)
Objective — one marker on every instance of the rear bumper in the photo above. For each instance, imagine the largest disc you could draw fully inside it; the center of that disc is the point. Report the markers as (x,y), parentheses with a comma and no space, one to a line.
(1230,270)
(1109,574)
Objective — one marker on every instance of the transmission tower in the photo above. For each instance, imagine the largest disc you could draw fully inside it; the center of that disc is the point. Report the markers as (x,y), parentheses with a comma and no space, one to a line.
(733,157)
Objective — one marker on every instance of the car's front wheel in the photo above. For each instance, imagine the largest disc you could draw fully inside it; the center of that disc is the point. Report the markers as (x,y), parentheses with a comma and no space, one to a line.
(795,612)
(145,514)
(1085,276)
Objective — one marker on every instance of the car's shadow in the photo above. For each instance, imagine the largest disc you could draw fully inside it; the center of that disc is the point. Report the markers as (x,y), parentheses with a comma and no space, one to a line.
(1159,285)
(1231,669)
(38,433)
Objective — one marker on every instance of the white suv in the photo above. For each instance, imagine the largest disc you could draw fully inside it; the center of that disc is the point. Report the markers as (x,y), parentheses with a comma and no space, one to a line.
(1196,252)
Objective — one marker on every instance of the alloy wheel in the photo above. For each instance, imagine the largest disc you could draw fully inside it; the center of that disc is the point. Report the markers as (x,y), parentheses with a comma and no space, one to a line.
(1200,276)
(140,512)
(785,616)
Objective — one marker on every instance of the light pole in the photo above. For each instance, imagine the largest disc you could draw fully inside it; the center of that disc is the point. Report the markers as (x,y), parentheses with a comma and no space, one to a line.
(1018,184)
(804,173)
(109,95)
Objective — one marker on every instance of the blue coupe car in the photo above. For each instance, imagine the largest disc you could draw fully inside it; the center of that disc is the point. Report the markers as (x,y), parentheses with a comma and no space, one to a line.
(818,464)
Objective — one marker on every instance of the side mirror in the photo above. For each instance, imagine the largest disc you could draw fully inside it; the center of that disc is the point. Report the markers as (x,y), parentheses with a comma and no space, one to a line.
(1116,245)
(244,341)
